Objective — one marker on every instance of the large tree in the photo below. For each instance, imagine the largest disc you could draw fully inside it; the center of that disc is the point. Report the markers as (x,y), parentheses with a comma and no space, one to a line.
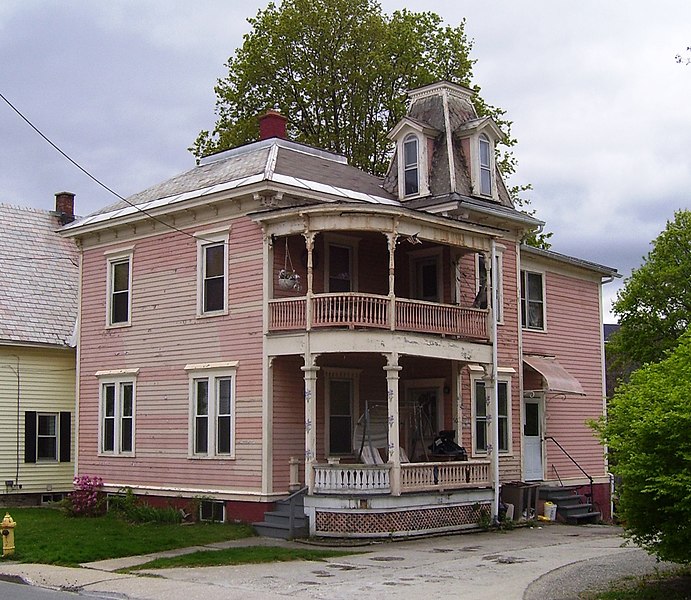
(338,69)
(648,431)
(654,306)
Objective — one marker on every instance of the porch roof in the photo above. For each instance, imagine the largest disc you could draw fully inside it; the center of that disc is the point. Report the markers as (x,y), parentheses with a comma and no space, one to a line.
(556,377)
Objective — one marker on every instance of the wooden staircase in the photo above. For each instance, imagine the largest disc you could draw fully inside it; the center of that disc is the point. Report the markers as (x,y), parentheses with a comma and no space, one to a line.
(572,508)
(287,521)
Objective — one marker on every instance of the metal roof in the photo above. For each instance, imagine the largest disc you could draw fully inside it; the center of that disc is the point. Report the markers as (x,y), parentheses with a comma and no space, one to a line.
(39,277)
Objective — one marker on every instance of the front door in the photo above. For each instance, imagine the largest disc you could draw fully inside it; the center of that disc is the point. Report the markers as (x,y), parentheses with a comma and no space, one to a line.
(532,440)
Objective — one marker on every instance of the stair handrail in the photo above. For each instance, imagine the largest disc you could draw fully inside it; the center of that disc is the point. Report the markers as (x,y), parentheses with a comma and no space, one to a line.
(571,458)
(291,507)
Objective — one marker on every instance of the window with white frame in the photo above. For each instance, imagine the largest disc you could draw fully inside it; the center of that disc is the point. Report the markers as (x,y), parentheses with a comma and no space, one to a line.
(212,273)
(485,155)
(212,410)
(47,436)
(119,288)
(481,431)
(411,171)
(340,274)
(117,412)
(532,300)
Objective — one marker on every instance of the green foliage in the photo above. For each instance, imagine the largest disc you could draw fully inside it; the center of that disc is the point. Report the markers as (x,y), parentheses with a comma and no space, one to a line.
(239,556)
(136,510)
(50,536)
(654,306)
(648,428)
(339,70)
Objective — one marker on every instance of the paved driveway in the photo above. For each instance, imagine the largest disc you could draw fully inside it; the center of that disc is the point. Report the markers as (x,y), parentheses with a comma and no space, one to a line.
(546,563)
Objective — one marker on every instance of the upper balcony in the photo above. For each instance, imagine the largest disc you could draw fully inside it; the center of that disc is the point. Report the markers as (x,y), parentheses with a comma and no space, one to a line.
(352,270)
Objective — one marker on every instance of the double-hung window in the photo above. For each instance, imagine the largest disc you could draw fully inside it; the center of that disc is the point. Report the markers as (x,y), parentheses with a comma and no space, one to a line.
(119,288)
(485,166)
(532,300)
(411,171)
(481,431)
(212,410)
(47,436)
(117,412)
(212,273)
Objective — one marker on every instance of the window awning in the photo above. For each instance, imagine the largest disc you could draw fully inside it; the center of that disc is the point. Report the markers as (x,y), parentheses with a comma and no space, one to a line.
(557,378)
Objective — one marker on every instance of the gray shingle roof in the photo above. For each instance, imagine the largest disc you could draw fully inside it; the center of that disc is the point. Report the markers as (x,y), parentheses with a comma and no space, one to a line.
(39,277)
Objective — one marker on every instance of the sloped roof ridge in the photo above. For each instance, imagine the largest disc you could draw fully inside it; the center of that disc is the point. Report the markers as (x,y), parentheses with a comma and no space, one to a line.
(271,142)
(579,262)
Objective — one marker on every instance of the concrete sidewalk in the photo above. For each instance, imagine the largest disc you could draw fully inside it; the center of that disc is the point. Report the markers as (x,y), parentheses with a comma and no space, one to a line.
(545,562)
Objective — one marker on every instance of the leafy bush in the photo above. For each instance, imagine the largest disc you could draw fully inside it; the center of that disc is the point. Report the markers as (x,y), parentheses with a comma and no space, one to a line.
(648,428)
(135,510)
(86,500)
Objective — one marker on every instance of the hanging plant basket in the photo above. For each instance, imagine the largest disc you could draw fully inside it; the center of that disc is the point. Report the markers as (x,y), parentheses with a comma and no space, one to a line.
(288,280)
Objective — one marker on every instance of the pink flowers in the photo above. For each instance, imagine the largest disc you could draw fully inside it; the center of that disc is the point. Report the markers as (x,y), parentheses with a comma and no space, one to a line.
(85,499)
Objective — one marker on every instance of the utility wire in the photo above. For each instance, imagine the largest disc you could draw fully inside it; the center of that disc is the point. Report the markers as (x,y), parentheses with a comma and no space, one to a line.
(89,175)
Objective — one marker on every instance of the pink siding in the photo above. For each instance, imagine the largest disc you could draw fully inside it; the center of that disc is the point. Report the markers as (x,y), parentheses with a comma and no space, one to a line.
(165,336)
(573,336)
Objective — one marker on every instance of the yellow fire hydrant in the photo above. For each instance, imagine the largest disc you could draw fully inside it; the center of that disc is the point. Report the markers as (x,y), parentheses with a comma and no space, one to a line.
(8,526)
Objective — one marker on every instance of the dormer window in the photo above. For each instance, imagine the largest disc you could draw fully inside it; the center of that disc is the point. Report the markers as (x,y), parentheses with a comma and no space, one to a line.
(411,171)
(485,166)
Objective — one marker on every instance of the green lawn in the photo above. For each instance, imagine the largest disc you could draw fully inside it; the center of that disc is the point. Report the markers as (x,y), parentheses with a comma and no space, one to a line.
(240,556)
(49,536)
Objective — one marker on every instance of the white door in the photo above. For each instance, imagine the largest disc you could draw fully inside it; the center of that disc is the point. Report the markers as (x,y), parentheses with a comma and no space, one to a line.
(532,440)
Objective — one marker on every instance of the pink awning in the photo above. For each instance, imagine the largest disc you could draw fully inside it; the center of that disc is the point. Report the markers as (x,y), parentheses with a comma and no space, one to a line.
(556,377)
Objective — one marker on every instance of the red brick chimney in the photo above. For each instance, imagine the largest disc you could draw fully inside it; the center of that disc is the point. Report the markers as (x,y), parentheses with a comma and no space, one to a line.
(64,206)
(272,124)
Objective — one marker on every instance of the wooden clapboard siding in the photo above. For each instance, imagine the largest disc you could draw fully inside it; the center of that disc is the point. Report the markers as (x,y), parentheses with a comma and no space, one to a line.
(166,335)
(46,385)
(288,419)
(573,336)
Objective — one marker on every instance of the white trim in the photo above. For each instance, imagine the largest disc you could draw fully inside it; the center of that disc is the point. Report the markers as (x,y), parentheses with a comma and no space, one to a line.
(212,373)
(353,377)
(115,373)
(405,132)
(523,284)
(117,257)
(117,381)
(352,244)
(212,237)
(503,377)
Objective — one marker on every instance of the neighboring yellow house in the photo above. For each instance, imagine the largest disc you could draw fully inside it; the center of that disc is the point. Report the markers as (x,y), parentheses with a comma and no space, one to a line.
(39,276)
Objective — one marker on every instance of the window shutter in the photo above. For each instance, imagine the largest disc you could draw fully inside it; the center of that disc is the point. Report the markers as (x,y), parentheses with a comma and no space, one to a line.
(30,436)
(65,436)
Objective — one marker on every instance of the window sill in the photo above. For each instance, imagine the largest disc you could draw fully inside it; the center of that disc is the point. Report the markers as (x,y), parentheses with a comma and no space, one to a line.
(210,314)
(119,325)
(213,457)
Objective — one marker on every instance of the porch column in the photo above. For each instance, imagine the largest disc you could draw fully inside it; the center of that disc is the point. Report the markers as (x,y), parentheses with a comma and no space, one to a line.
(392,370)
(310,374)
(309,244)
(391,239)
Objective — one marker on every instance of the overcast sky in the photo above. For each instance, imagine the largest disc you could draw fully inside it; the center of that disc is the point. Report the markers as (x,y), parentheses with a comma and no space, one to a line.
(601,110)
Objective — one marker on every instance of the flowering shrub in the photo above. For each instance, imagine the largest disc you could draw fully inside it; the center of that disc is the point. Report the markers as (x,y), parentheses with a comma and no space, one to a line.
(85,500)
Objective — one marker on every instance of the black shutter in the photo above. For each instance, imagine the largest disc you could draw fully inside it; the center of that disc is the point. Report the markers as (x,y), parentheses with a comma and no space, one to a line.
(65,436)
(30,436)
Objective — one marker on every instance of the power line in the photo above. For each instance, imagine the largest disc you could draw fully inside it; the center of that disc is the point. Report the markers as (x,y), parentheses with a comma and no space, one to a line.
(89,175)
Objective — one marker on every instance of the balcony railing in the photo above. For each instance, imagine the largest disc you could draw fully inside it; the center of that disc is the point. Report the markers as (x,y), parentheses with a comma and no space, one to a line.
(415,477)
(353,309)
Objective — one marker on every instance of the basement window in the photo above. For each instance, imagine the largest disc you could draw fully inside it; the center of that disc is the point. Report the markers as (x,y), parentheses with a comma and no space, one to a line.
(213,511)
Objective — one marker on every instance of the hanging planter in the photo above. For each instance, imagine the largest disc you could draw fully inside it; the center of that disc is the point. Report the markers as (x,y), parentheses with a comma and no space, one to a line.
(288,279)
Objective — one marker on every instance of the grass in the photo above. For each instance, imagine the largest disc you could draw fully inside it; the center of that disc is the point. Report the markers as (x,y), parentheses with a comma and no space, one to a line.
(49,536)
(667,585)
(239,556)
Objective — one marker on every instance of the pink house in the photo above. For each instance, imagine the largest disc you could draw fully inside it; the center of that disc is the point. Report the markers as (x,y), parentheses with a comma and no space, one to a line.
(277,323)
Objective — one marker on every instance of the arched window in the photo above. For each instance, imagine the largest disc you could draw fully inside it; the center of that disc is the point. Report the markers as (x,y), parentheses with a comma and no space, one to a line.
(485,166)
(411,171)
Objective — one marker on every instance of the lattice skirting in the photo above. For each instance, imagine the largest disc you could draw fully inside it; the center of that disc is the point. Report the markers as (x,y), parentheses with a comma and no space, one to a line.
(419,520)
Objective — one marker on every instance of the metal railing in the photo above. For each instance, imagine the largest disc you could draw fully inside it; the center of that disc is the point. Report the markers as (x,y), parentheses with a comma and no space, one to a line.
(573,460)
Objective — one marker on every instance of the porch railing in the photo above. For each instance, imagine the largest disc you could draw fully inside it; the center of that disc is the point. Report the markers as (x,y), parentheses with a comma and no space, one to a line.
(344,479)
(428,476)
(415,477)
(353,309)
